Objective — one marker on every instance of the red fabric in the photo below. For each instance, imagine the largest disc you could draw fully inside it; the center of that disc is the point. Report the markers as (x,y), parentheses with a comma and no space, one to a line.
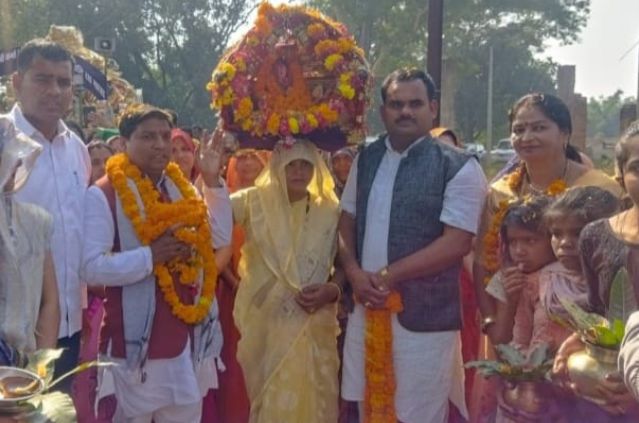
(164,322)
(232,400)
(470,330)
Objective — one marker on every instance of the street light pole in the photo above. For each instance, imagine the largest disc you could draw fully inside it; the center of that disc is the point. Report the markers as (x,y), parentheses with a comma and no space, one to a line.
(489,103)
(434,52)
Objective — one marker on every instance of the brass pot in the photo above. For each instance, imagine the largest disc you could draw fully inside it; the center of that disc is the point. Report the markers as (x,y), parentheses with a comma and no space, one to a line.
(524,398)
(588,369)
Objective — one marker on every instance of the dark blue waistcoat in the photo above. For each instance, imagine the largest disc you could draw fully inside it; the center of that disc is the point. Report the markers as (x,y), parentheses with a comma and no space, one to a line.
(430,303)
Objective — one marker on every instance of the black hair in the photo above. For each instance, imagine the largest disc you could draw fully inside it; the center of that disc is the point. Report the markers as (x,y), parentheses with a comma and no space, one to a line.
(99,144)
(573,153)
(551,106)
(407,75)
(527,213)
(585,203)
(622,152)
(40,47)
(137,113)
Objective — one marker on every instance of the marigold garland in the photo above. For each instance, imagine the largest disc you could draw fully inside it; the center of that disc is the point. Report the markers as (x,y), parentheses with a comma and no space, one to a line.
(491,240)
(190,213)
(379,399)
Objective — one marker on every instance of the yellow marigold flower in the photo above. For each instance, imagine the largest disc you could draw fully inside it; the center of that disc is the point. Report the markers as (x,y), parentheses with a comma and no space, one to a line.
(227,97)
(346,91)
(316,30)
(228,70)
(273,124)
(345,44)
(345,77)
(326,47)
(332,61)
(312,120)
(327,113)
(293,125)
(247,124)
(244,109)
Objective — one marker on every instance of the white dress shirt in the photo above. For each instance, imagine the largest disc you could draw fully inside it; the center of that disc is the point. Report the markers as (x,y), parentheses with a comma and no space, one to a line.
(422,388)
(58,184)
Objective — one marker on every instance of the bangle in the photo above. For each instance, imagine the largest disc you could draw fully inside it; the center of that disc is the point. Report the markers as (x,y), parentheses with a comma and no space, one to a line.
(486,322)
(340,291)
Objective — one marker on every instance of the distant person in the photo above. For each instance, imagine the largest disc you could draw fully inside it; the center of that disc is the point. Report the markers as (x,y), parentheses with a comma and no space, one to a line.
(99,152)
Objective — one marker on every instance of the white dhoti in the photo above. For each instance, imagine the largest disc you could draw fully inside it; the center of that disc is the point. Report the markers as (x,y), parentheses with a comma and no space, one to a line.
(428,370)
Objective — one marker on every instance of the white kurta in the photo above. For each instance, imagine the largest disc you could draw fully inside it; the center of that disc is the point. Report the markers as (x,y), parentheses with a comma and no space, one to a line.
(428,365)
(172,381)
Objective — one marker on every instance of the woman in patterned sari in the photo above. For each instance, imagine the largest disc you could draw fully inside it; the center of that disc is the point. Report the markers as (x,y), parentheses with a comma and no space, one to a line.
(286,304)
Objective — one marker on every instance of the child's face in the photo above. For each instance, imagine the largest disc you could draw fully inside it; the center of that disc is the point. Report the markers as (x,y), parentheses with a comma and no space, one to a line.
(631,170)
(527,249)
(565,240)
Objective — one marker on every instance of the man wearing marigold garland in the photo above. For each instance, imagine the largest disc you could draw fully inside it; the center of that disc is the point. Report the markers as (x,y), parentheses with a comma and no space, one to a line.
(149,240)
(410,209)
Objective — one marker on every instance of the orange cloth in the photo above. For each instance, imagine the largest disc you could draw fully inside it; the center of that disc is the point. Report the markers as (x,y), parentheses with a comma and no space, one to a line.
(231,398)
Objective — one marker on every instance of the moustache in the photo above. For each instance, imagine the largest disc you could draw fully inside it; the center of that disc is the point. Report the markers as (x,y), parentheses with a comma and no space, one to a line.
(405,118)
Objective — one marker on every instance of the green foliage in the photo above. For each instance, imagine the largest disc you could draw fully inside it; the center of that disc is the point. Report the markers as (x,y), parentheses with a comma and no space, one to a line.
(394,33)
(166,47)
(594,328)
(514,366)
(603,114)
(622,297)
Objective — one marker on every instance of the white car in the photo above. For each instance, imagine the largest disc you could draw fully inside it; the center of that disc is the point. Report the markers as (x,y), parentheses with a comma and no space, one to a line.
(503,152)
(476,149)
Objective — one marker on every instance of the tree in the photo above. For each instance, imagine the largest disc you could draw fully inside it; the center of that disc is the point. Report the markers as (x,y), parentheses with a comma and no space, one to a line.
(393,33)
(603,114)
(166,47)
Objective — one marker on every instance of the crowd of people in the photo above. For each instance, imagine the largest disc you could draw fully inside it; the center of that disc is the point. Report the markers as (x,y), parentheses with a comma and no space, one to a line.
(248,286)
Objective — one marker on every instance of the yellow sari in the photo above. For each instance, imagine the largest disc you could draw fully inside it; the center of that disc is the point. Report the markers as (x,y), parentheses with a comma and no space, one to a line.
(288,357)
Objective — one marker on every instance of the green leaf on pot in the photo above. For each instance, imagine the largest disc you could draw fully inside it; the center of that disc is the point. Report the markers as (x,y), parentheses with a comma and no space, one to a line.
(511,355)
(622,301)
(582,320)
(538,356)
(619,329)
(606,337)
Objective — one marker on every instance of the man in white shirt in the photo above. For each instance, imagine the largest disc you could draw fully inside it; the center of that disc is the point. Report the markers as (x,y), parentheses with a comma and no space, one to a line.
(60,176)
(410,209)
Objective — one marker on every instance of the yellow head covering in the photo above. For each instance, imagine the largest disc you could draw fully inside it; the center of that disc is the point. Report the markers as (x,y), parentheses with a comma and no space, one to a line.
(275,233)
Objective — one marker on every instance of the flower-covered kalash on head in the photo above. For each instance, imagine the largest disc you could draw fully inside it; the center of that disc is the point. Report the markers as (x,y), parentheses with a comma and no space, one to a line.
(296,73)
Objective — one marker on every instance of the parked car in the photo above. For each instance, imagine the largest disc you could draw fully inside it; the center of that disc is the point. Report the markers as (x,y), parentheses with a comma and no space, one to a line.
(503,152)
(477,149)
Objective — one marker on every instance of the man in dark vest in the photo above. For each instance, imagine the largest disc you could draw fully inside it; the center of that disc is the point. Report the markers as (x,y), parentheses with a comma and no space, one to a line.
(410,210)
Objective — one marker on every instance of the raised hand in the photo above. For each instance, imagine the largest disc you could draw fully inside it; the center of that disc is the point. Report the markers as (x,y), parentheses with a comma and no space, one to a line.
(210,157)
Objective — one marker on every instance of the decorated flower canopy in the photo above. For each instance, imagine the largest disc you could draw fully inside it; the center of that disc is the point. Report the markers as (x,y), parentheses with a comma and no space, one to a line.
(296,73)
